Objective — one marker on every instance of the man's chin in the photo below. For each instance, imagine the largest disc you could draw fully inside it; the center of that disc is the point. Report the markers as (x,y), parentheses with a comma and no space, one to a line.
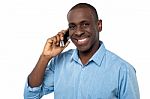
(83,49)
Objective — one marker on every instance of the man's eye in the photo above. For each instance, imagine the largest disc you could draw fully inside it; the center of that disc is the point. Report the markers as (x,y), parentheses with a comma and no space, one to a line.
(85,24)
(72,27)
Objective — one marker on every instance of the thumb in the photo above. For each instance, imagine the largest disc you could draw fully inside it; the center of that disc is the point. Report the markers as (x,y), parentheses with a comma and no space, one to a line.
(66,44)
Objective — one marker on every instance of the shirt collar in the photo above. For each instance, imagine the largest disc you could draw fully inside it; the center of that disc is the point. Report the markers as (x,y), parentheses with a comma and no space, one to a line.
(75,56)
(97,57)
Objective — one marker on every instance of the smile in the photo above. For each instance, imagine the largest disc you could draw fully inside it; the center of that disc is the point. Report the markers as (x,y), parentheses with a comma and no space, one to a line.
(82,41)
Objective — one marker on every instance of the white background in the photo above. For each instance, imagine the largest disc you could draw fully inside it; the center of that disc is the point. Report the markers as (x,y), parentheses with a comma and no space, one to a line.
(26,24)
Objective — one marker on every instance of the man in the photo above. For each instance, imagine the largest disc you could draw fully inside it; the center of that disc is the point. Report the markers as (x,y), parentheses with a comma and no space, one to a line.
(88,72)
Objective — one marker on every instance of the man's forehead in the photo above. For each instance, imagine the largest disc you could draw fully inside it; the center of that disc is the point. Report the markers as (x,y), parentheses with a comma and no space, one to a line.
(77,22)
(80,10)
(79,13)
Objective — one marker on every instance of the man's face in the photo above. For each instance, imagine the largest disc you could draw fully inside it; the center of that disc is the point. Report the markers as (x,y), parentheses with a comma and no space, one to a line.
(83,29)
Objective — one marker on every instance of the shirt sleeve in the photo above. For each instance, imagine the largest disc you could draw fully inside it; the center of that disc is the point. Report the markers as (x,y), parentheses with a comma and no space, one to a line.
(46,87)
(128,86)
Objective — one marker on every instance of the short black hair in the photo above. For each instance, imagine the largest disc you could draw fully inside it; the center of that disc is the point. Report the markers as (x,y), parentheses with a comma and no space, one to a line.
(86,5)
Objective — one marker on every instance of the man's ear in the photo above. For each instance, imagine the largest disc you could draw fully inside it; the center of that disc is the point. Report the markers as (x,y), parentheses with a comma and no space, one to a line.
(99,25)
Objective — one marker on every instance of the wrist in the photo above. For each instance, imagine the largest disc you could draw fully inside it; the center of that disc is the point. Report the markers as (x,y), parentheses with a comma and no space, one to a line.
(45,57)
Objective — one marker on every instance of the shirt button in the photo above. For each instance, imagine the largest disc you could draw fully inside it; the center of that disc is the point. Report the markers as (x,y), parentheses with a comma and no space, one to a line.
(83,68)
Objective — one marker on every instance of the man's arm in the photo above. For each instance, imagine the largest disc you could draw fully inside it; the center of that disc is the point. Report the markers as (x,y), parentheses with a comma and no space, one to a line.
(34,87)
(128,83)
(35,78)
(51,49)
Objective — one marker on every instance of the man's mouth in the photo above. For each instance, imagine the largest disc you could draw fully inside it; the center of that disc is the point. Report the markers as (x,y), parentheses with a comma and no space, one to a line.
(82,41)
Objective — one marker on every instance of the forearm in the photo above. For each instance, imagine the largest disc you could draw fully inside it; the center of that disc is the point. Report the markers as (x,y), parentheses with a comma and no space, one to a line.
(36,76)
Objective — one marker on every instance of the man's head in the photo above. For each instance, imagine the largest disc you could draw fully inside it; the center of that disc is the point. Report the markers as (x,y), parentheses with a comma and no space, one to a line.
(84,27)
(85,5)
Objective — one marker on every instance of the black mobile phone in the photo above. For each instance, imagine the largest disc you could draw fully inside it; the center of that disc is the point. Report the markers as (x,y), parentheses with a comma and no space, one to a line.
(66,38)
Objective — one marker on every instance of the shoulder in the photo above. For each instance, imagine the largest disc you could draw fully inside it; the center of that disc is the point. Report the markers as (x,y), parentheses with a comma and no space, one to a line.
(118,63)
(61,58)
(67,53)
(64,55)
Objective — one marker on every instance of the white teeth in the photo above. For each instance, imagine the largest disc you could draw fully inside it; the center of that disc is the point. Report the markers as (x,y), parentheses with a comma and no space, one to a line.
(82,40)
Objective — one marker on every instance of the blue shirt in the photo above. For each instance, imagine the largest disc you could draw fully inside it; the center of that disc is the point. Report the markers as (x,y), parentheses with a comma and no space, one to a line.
(105,76)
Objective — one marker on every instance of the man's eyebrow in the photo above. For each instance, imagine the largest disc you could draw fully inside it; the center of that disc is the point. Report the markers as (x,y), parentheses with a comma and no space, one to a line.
(83,21)
(71,24)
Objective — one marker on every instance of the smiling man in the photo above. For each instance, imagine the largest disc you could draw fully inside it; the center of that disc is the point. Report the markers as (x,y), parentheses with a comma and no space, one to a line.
(84,28)
(88,72)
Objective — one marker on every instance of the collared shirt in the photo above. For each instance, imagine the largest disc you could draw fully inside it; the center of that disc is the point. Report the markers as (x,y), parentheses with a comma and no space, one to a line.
(105,76)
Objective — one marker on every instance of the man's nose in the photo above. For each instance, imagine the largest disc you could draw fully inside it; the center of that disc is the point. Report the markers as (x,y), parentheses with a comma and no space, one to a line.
(79,31)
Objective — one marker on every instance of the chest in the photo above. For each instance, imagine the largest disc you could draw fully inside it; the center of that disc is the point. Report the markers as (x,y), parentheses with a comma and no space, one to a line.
(77,82)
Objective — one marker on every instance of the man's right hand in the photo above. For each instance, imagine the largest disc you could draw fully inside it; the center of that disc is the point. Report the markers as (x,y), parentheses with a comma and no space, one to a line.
(52,47)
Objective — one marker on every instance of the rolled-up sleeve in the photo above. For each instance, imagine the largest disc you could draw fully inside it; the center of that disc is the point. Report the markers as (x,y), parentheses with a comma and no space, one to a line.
(46,87)
(32,93)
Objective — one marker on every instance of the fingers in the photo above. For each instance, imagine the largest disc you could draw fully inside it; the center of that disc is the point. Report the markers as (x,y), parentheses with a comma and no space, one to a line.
(55,40)
(58,38)
(53,46)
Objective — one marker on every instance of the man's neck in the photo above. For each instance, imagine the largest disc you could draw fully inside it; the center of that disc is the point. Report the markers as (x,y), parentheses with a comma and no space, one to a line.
(85,56)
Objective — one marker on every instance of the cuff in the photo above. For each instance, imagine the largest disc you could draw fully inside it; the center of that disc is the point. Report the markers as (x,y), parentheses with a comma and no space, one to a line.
(33,89)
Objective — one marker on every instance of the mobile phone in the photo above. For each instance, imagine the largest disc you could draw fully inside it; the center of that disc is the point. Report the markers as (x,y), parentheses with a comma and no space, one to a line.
(66,38)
